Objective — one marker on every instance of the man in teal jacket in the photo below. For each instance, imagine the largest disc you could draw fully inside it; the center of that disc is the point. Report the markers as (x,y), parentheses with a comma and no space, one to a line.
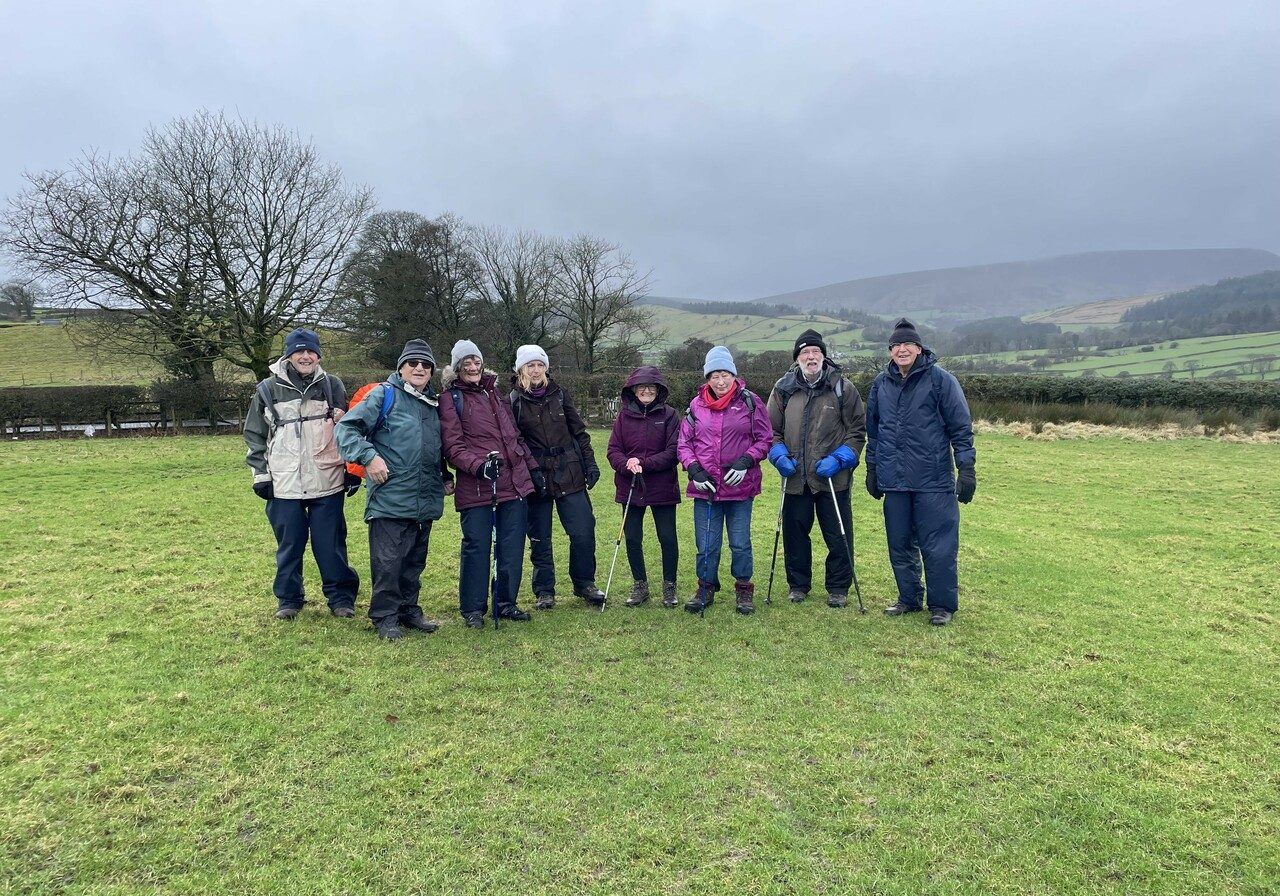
(406,482)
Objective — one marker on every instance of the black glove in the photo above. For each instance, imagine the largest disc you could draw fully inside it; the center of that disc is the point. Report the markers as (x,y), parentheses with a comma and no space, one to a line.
(539,482)
(264,490)
(743,463)
(697,473)
(491,469)
(966,484)
(593,476)
(351,482)
(873,487)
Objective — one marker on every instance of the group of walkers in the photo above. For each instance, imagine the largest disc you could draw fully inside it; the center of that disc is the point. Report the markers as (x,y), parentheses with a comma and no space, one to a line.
(511,456)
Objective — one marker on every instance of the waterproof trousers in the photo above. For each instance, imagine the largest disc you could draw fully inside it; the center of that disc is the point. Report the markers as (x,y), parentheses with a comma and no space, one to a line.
(797,522)
(320,520)
(579,523)
(924,526)
(711,519)
(397,556)
(474,570)
(664,522)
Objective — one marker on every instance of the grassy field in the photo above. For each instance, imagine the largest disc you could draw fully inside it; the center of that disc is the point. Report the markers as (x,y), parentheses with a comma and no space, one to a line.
(1101,717)
(1100,313)
(745,332)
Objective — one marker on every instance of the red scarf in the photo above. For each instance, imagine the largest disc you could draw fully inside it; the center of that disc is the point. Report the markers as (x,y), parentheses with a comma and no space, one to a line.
(719,404)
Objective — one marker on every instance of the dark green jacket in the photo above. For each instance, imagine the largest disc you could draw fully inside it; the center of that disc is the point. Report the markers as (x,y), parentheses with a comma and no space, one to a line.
(409,444)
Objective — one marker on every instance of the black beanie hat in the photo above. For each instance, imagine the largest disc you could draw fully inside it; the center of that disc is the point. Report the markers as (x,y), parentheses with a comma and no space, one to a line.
(417,350)
(806,339)
(905,331)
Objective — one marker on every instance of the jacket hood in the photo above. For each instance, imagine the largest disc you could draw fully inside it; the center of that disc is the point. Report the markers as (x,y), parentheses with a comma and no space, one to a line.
(645,374)
(449,375)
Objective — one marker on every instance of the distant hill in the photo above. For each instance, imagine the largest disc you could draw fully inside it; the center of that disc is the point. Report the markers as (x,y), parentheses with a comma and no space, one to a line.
(1102,312)
(1021,287)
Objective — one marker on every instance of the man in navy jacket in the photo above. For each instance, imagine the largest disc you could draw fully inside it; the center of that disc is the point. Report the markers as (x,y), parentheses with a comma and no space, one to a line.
(918,424)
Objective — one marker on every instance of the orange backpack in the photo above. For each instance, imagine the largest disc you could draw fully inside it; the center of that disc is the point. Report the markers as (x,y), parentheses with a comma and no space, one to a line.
(388,397)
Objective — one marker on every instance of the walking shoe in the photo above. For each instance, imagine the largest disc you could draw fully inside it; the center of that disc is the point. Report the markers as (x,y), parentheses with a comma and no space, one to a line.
(473,620)
(939,617)
(669,595)
(704,597)
(900,609)
(639,594)
(420,623)
(389,631)
(836,600)
(544,600)
(590,593)
(797,596)
(343,612)
(513,613)
(288,612)
(743,592)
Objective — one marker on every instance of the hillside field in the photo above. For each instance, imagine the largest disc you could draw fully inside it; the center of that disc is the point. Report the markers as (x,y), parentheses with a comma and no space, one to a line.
(744,332)
(1100,718)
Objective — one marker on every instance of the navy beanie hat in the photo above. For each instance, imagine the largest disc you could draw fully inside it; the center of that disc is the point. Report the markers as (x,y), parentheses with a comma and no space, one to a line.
(300,340)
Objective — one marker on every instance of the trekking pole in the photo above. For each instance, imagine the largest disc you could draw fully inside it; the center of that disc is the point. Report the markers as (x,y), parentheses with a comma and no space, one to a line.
(848,544)
(777,532)
(618,543)
(493,538)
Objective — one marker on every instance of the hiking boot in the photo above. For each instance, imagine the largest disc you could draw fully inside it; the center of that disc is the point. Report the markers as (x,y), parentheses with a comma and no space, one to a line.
(473,620)
(512,613)
(669,595)
(420,623)
(836,600)
(743,593)
(797,596)
(901,609)
(288,612)
(343,612)
(639,594)
(590,593)
(939,617)
(388,630)
(704,597)
(544,600)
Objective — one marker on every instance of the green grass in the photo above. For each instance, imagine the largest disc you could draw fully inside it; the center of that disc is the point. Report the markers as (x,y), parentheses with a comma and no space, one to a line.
(1100,718)
(745,332)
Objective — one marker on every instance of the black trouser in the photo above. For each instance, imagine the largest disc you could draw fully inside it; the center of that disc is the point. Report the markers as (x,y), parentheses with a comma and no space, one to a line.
(294,520)
(397,556)
(797,522)
(477,541)
(579,524)
(664,521)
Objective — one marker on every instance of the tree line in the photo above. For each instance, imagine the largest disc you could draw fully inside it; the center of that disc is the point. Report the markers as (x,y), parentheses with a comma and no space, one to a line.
(218,235)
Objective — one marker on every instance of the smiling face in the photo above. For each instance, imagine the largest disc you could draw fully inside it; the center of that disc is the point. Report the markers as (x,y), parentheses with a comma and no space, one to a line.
(645,393)
(305,361)
(904,354)
(470,369)
(416,372)
(810,360)
(721,381)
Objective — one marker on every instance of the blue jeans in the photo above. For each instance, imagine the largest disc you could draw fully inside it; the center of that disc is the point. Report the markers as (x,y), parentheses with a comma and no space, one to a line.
(321,520)
(474,573)
(711,519)
(579,524)
(924,526)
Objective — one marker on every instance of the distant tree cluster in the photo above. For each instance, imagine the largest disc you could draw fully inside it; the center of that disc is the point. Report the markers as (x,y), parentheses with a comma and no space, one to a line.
(1235,305)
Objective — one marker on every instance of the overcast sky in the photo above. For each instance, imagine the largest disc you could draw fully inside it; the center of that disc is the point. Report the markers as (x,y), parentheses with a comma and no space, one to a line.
(738,149)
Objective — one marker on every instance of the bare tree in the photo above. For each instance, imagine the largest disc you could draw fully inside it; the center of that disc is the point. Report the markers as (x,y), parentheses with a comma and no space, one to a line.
(518,281)
(215,238)
(598,291)
(21,297)
(409,277)
(1191,365)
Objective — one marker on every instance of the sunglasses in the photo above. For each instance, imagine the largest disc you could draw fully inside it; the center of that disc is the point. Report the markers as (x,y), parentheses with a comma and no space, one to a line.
(425,365)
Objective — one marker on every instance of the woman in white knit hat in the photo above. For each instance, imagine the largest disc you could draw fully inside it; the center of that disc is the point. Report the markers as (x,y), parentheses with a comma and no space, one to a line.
(558,439)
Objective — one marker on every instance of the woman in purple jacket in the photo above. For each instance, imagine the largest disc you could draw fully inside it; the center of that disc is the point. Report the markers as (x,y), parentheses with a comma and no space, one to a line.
(642,452)
(723,438)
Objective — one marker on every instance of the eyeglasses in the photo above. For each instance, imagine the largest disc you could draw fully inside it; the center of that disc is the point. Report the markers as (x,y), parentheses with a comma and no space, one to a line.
(646,388)
(425,365)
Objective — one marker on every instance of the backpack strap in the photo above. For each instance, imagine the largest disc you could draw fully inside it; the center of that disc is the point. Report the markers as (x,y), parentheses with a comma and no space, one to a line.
(267,398)
(388,399)
(456,394)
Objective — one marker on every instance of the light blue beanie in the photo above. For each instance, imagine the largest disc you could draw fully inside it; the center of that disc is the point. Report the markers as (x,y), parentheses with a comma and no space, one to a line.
(719,359)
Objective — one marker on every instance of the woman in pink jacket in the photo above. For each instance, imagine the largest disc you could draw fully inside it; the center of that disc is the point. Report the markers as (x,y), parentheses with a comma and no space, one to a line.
(723,437)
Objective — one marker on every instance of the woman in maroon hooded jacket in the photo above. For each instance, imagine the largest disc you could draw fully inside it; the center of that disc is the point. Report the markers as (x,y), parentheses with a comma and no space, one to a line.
(642,452)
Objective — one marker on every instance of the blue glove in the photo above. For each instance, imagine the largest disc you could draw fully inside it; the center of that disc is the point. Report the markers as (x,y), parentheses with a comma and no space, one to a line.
(842,458)
(781,458)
